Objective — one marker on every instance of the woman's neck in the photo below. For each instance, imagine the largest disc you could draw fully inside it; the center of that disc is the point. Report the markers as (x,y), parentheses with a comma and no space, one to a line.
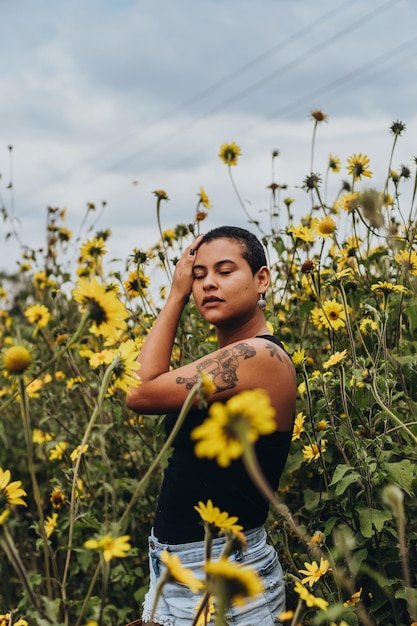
(228,335)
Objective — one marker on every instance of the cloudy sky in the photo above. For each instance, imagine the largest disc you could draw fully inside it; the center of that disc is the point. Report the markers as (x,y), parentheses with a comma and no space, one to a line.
(108,100)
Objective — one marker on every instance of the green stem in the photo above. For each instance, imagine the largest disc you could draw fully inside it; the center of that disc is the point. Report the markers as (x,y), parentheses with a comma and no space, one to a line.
(35,487)
(392,415)
(158,219)
(89,592)
(252,467)
(73,507)
(8,545)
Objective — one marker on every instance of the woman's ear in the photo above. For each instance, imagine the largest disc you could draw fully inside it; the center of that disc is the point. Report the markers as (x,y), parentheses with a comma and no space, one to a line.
(264,276)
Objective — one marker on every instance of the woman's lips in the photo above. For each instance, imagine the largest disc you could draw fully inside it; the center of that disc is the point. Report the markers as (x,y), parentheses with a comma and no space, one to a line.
(208,300)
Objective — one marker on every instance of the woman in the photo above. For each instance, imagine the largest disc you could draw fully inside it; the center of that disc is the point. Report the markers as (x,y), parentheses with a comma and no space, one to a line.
(226,273)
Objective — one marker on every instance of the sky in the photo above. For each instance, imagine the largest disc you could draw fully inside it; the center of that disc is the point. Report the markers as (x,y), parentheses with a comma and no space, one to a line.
(106,101)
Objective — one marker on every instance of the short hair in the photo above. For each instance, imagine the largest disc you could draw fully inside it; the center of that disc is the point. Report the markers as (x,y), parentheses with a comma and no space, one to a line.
(252,250)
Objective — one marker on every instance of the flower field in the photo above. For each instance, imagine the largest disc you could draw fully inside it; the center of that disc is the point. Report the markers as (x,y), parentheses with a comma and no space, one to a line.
(80,473)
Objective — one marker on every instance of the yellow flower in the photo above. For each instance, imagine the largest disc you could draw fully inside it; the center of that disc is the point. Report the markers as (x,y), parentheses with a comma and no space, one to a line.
(111,548)
(71,382)
(6,620)
(334,163)
(347,202)
(176,571)
(51,523)
(33,387)
(105,310)
(285,616)
(354,598)
(57,498)
(161,194)
(38,314)
(214,517)
(367,325)
(313,452)
(408,260)
(206,613)
(93,248)
(299,356)
(232,582)
(56,454)
(298,426)
(335,359)
(17,359)
(40,437)
(317,317)
(3,516)
(338,277)
(204,199)
(382,286)
(126,369)
(302,233)
(314,571)
(169,235)
(105,357)
(78,452)
(310,599)
(324,227)
(318,538)
(333,315)
(42,280)
(358,166)
(64,234)
(10,492)
(207,384)
(231,426)
(137,283)
(229,153)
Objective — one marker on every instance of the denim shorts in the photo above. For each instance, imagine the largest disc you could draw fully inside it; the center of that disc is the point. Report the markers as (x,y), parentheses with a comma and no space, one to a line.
(177,604)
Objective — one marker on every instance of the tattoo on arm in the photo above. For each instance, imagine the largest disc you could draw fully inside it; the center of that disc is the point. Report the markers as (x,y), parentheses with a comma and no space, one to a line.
(274,351)
(223,368)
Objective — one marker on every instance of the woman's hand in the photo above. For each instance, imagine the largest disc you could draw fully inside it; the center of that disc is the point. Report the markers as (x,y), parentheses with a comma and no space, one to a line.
(155,356)
(182,280)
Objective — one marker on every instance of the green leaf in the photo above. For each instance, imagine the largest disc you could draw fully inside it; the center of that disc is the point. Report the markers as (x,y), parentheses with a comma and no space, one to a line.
(411,311)
(371,520)
(339,472)
(345,482)
(311,499)
(402,474)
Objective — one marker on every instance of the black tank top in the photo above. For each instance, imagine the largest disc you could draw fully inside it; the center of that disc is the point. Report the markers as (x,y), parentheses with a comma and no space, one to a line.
(188,479)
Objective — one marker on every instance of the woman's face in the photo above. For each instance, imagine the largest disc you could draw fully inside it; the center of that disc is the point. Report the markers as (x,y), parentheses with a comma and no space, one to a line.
(224,288)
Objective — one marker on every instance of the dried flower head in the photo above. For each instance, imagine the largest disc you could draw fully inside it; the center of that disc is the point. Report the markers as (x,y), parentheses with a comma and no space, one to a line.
(397,128)
(318,116)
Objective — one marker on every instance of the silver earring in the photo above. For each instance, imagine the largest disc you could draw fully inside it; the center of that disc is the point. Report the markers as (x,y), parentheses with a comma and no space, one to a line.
(261,302)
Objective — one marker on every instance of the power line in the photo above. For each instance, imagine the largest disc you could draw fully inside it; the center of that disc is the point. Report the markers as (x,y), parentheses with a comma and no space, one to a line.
(201,95)
(294,106)
(254,86)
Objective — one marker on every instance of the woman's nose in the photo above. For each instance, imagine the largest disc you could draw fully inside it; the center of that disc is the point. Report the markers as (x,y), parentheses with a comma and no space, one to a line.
(209,281)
